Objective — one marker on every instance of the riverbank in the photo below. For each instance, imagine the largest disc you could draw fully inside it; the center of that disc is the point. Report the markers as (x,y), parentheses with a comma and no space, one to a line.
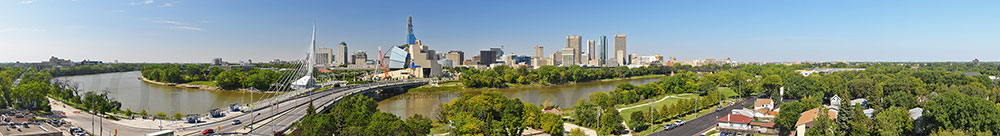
(457,86)
(197,85)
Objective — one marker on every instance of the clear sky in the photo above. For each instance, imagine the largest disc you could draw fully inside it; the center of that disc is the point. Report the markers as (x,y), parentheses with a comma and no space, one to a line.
(197,31)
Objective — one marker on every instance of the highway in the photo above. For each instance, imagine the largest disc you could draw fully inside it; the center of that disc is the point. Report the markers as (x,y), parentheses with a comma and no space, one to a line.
(266,122)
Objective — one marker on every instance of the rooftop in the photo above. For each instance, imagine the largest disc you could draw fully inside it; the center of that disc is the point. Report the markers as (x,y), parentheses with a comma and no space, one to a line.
(736,118)
(810,115)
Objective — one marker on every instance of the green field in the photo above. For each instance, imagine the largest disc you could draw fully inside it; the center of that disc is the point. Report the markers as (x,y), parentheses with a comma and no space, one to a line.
(627,113)
(728,93)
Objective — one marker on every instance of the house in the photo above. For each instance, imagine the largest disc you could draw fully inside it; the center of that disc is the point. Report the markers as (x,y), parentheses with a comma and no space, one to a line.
(764,128)
(735,123)
(835,102)
(807,118)
(763,103)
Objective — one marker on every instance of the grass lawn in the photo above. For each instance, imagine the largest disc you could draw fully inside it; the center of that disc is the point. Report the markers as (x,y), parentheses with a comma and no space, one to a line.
(209,83)
(727,92)
(627,113)
(439,128)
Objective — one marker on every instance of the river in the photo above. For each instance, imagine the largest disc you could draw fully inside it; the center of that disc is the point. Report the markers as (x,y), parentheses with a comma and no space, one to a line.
(425,103)
(137,95)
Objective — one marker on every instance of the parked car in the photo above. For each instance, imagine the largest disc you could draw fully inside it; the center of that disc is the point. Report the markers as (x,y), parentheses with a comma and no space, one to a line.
(668,126)
(236,122)
(208,131)
(679,122)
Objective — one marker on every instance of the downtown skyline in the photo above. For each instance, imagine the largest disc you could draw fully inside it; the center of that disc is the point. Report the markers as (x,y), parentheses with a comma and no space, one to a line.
(198,31)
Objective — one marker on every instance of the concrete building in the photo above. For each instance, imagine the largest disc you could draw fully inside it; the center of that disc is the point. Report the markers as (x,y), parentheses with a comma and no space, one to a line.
(359,57)
(574,42)
(568,57)
(217,61)
(620,52)
(590,50)
(424,61)
(539,51)
(556,58)
(456,57)
(324,56)
(342,57)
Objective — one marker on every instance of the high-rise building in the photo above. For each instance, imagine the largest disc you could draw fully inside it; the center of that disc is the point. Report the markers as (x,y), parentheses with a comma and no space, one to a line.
(590,50)
(620,52)
(324,56)
(487,57)
(410,38)
(556,58)
(603,53)
(456,57)
(568,56)
(574,41)
(342,57)
(538,51)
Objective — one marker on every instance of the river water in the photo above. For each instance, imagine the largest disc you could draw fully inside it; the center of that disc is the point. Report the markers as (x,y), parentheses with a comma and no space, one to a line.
(425,103)
(138,95)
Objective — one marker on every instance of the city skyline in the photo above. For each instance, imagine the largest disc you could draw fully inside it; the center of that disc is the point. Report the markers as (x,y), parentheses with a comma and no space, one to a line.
(199,31)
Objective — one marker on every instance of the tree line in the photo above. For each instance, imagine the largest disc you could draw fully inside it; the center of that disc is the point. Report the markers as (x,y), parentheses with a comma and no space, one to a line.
(501,76)
(357,115)
(234,78)
(491,113)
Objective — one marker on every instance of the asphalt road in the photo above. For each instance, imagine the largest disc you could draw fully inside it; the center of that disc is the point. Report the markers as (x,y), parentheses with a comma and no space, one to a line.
(692,127)
(287,112)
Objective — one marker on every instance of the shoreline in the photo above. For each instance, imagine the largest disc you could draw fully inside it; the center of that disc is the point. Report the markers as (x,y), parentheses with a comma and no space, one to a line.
(201,87)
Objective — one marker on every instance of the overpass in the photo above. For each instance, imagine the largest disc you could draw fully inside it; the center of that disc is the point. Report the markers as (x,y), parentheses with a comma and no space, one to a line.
(291,107)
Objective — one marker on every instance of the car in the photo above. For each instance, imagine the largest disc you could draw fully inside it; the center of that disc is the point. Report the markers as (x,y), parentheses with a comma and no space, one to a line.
(236,122)
(208,131)
(718,108)
(679,122)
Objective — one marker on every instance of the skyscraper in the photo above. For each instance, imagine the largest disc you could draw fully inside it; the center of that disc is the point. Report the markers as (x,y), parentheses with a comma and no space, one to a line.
(574,41)
(604,51)
(342,57)
(620,52)
(590,50)
(538,51)
(324,56)
(456,56)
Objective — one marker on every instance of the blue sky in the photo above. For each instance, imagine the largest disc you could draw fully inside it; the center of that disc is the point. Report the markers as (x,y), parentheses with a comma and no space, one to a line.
(197,31)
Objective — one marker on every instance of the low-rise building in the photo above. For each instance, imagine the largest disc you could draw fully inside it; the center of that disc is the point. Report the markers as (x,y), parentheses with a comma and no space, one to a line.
(808,117)
(735,123)
(31,129)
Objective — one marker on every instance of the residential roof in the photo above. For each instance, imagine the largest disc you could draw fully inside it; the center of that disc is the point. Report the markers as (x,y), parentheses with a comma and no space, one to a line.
(763,124)
(810,115)
(736,118)
(761,102)
(916,113)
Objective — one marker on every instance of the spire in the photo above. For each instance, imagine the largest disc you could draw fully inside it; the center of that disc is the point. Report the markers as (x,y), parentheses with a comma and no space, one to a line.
(409,25)
(410,38)
(312,52)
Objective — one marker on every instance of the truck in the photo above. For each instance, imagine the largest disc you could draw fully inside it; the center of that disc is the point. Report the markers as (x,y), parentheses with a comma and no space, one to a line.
(162,133)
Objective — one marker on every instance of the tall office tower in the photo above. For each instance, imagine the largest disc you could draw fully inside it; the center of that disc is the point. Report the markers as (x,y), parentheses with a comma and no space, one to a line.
(456,56)
(574,41)
(568,56)
(620,52)
(487,57)
(603,54)
(324,56)
(590,50)
(538,51)
(342,57)
(557,58)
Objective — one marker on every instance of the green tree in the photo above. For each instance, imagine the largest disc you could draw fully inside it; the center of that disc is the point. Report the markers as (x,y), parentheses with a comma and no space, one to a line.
(894,121)
(954,110)
(552,124)
(228,80)
(586,113)
(611,122)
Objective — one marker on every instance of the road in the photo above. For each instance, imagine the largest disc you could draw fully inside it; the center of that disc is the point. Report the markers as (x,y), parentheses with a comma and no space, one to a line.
(692,127)
(286,113)
(267,120)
